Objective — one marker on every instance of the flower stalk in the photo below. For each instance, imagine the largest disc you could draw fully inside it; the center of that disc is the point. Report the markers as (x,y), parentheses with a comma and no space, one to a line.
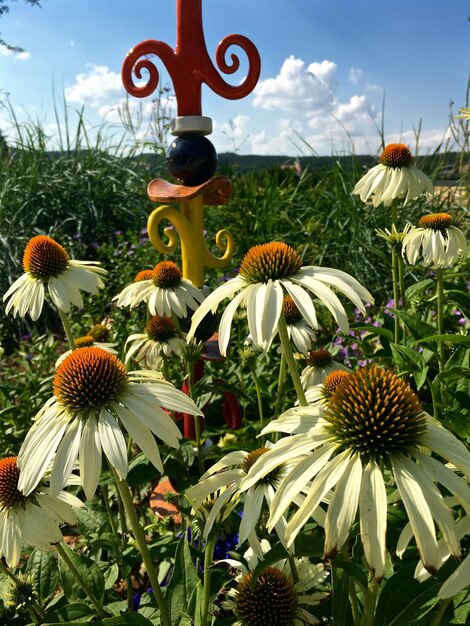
(208,558)
(370,600)
(139,536)
(67,328)
(290,359)
(440,315)
(252,367)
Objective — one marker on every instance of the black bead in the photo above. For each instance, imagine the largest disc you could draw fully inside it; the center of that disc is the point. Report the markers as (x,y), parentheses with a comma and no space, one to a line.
(191,159)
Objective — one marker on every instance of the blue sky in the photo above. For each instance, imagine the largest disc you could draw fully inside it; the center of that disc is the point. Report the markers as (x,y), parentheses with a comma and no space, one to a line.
(327,66)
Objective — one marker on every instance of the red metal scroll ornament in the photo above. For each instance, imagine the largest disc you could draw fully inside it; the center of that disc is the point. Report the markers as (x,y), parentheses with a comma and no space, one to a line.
(189,64)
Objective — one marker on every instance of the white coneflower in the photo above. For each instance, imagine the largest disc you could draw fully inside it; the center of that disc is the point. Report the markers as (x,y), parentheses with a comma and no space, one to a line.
(127,297)
(435,243)
(320,363)
(224,478)
(164,290)
(45,262)
(159,339)
(394,178)
(31,520)
(267,273)
(373,423)
(93,395)
(274,598)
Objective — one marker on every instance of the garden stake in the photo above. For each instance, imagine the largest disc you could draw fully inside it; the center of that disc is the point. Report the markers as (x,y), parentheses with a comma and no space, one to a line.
(191,157)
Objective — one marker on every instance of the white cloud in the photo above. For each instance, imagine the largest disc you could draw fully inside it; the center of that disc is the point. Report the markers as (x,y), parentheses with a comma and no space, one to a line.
(232,136)
(355,75)
(428,140)
(20,56)
(97,87)
(297,88)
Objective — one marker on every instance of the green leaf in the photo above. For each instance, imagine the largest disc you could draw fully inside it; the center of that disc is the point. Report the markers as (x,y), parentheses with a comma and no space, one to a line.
(182,582)
(110,576)
(404,600)
(195,605)
(461,608)
(461,299)
(92,521)
(374,330)
(417,288)
(128,618)
(353,570)
(407,360)
(309,545)
(415,325)
(89,572)
(42,566)
(67,623)
(463,340)
(342,614)
(72,613)
(141,471)
(453,374)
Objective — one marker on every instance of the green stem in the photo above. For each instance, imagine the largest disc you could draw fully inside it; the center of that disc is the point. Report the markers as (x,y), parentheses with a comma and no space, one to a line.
(280,386)
(293,569)
(114,529)
(197,419)
(81,583)
(139,536)
(354,603)
(165,367)
(208,558)
(67,328)
(252,367)
(104,489)
(440,315)
(289,354)
(435,400)
(33,615)
(370,599)
(401,279)
(396,294)
(440,611)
